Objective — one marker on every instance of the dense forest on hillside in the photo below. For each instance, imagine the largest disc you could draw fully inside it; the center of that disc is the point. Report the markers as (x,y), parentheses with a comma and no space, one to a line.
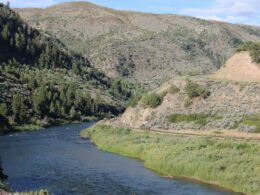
(42,82)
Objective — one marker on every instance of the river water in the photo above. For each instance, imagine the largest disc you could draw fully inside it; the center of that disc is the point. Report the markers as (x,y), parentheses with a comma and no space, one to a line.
(57,159)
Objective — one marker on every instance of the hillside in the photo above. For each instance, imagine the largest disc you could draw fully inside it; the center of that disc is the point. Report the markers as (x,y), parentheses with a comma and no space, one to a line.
(197,104)
(141,47)
(42,82)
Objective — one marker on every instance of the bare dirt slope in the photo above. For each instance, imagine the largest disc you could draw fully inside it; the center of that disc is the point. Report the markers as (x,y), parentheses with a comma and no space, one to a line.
(139,46)
(229,102)
(239,68)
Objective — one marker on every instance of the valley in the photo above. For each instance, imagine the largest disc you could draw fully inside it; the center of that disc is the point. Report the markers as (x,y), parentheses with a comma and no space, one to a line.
(179,93)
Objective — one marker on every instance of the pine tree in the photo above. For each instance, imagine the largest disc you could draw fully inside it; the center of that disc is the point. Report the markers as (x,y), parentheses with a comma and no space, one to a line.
(40,101)
(18,41)
(73,113)
(18,108)
(52,108)
(75,67)
(15,106)
(5,33)
(3,109)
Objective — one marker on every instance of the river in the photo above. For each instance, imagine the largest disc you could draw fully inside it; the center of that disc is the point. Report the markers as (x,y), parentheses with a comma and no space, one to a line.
(57,159)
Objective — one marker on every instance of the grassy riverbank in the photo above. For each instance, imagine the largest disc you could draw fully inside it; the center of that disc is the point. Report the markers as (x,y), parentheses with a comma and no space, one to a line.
(225,162)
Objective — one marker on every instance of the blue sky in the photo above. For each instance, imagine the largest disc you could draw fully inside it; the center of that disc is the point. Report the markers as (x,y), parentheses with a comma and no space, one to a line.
(234,11)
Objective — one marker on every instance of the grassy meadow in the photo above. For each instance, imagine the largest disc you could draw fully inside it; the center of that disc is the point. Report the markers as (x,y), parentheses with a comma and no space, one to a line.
(229,163)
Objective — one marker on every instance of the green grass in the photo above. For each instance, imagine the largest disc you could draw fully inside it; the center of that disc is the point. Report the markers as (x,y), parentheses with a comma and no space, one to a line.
(200,119)
(252,120)
(27,127)
(232,164)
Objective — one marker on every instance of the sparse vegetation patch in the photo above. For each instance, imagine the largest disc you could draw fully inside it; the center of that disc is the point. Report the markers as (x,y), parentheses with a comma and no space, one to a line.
(200,119)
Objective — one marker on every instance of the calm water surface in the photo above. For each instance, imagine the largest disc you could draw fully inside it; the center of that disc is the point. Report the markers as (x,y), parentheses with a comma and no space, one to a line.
(57,159)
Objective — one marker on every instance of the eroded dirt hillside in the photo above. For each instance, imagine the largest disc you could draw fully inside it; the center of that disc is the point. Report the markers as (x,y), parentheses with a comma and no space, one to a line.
(239,68)
(230,105)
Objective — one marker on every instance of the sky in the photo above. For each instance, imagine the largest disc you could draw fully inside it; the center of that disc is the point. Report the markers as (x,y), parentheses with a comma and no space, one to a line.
(233,11)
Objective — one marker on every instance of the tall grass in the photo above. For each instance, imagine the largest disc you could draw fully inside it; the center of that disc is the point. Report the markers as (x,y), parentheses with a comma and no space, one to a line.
(232,164)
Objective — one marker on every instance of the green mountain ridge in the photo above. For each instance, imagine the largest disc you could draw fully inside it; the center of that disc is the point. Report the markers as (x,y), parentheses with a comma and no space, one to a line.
(42,82)
(141,47)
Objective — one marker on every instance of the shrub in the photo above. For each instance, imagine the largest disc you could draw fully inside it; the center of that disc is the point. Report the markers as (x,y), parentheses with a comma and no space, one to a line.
(195,90)
(163,94)
(173,89)
(252,120)
(187,103)
(152,100)
(253,48)
(134,101)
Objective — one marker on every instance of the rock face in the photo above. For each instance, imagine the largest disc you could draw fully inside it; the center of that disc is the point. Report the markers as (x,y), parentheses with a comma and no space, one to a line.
(138,46)
(228,100)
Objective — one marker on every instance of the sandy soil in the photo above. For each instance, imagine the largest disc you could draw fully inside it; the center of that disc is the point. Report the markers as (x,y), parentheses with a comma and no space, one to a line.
(239,68)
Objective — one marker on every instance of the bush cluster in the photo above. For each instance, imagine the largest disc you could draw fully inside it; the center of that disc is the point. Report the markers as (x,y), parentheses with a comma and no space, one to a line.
(152,100)
(196,90)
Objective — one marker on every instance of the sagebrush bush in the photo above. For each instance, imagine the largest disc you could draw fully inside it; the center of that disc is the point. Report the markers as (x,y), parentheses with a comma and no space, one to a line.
(133,102)
(187,103)
(196,90)
(173,89)
(152,100)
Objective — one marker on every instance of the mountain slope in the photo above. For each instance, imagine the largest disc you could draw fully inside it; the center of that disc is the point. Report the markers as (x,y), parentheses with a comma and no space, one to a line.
(42,82)
(140,46)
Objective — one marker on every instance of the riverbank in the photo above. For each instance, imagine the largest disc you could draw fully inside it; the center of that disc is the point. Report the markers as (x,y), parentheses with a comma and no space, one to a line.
(228,163)
(58,122)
